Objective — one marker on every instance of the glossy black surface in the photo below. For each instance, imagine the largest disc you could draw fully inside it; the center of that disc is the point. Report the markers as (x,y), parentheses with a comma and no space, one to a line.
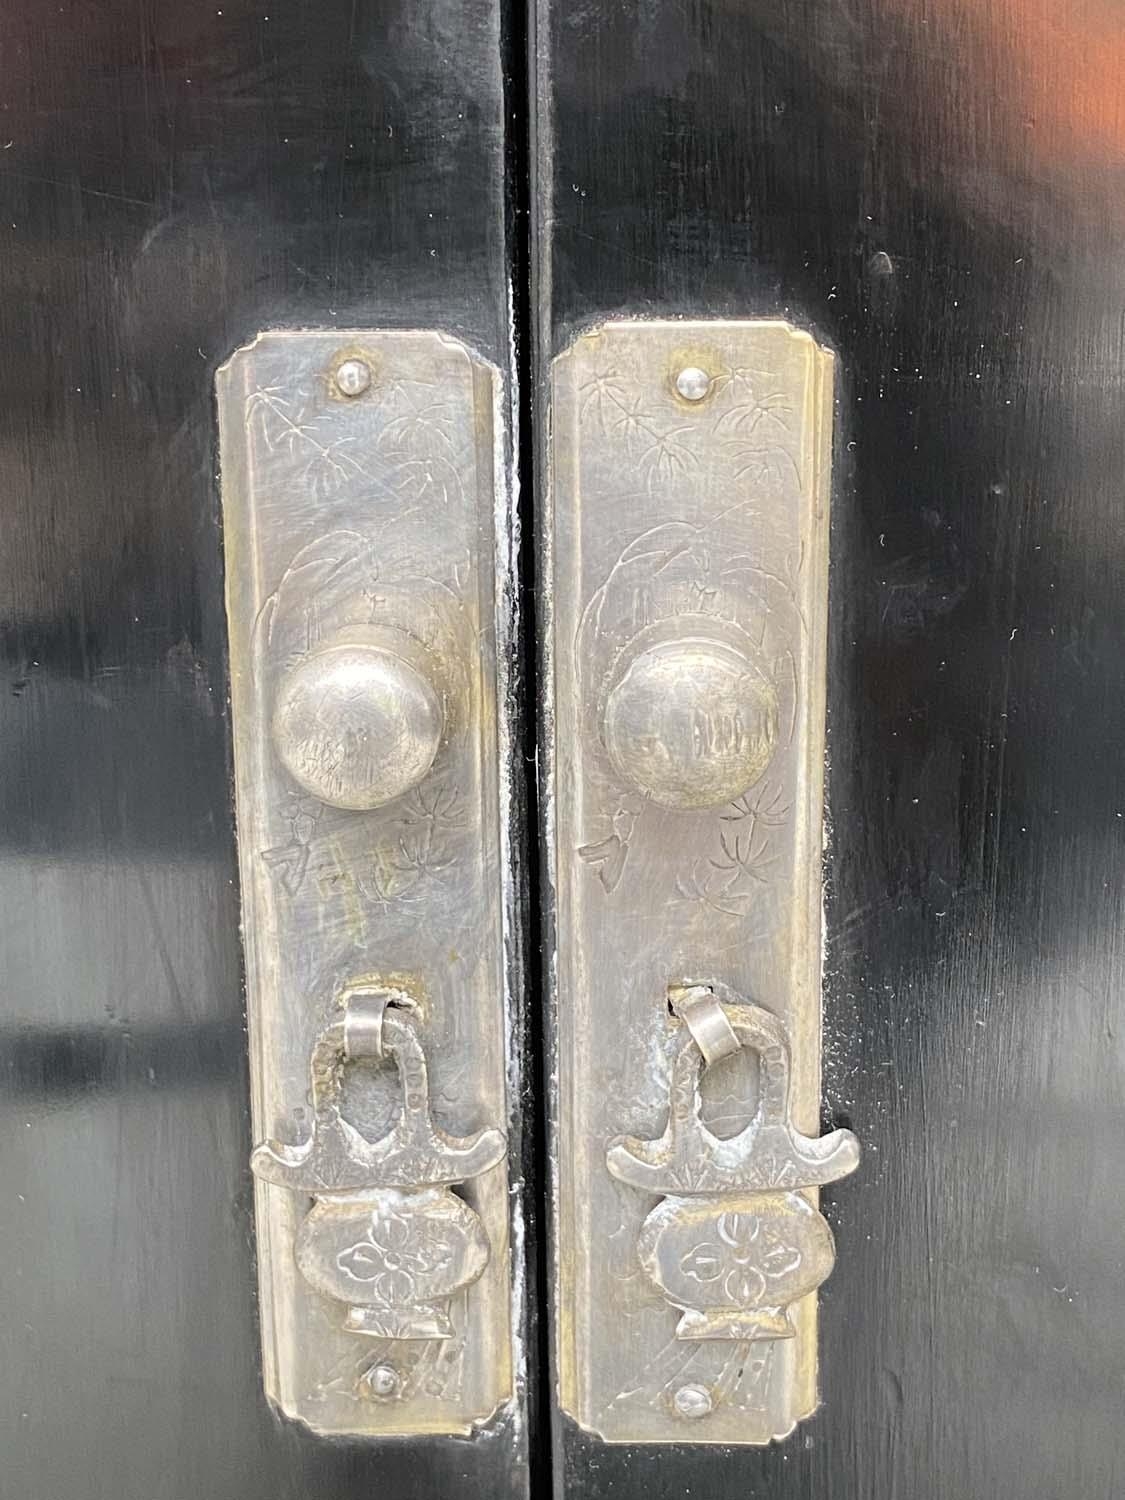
(937,191)
(173,177)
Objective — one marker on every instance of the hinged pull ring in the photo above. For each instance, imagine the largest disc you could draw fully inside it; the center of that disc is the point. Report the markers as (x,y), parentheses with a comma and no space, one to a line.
(735,1240)
(385,1234)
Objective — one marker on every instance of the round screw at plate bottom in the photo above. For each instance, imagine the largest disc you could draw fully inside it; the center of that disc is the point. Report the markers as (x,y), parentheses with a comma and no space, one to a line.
(382,1382)
(353,377)
(693,1401)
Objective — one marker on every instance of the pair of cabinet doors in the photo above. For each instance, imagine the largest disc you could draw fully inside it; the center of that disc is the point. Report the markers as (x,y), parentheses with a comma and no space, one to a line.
(562,647)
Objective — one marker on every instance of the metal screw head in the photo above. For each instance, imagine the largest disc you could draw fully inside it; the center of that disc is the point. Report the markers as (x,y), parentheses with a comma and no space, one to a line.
(693,384)
(693,1401)
(383,1382)
(353,377)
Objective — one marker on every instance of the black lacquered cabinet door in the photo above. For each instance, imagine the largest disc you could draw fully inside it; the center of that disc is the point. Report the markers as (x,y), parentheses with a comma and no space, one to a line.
(931,196)
(933,192)
(178,178)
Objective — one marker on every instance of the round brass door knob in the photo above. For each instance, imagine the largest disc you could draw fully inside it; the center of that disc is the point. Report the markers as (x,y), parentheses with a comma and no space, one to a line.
(691,722)
(357,724)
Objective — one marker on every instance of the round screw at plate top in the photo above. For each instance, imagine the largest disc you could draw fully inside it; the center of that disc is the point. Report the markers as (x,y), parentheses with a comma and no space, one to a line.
(353,377)
(383,1382)
(693,1401)
(693,384)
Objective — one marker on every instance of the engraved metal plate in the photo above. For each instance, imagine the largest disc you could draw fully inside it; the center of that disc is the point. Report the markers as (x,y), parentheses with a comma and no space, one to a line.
(359,477)
(687,551)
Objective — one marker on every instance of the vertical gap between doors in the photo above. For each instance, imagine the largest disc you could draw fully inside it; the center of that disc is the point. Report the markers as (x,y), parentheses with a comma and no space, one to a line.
(518,62)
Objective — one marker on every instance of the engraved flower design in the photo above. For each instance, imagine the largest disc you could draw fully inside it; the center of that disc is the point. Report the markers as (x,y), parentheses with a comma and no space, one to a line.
(749,1256)
(397,1251)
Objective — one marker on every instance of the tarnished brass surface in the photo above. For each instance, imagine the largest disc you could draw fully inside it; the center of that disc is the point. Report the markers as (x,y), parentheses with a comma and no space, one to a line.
(687,547)
(359,503)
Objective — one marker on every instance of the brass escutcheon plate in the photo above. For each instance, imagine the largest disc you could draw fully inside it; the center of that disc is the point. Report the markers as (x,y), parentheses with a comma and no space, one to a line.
(686,547)
(361,486)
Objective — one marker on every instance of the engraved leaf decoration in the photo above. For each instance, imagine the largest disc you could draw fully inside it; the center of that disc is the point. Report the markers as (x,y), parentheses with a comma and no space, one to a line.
(703,1262)
(740,1232)
(361,1262)
(396,1287)
(781,1260)
(284,426)
(390,1232)
(608,857)
(744,1286)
